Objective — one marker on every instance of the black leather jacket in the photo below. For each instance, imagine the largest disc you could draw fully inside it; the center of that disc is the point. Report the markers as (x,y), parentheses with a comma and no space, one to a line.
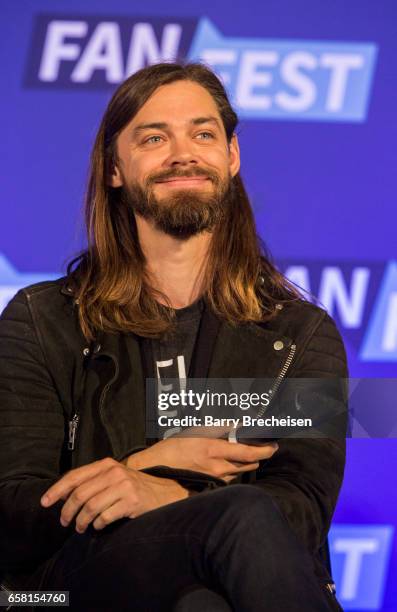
(48,374)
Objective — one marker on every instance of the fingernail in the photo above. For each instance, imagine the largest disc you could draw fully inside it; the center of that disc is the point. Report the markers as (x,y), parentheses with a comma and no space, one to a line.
(64,522)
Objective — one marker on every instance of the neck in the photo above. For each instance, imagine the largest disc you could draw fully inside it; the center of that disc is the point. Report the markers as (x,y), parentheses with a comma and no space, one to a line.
(174,267)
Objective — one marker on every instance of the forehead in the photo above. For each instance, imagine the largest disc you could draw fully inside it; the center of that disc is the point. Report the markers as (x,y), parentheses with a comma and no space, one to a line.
(177,103)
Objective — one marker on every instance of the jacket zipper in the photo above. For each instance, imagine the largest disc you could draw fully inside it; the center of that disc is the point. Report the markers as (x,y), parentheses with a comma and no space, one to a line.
(73,424)
(280,377)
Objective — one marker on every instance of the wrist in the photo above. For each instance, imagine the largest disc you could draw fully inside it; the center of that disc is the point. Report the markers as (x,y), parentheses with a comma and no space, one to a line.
(184,492)
(139,460)
(181,492)
(178,491)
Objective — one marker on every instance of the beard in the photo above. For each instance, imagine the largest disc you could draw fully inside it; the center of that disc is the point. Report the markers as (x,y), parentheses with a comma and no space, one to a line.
(185,212)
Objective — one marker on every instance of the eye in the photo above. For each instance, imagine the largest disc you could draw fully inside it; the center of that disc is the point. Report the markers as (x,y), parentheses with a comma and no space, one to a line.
(205,135)
(152,140)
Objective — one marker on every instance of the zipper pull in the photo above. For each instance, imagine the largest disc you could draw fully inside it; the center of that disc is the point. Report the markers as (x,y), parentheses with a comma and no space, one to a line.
(72,431)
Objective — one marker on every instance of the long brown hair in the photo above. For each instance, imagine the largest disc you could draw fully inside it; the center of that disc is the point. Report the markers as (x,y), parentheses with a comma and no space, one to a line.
(241,283)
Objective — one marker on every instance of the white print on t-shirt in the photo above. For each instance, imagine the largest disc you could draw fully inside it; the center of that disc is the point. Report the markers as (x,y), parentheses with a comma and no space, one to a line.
(180,360)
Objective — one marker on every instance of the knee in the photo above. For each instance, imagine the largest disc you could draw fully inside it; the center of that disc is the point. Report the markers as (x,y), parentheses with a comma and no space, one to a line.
(247,516)
(248,495)
(245,504)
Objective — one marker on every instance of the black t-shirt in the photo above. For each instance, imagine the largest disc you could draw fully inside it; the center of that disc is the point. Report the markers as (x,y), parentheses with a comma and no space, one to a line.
(170,356)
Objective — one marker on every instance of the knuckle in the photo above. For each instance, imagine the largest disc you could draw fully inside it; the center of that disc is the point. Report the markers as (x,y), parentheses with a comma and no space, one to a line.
(117,471)
(105,518)
(127,485)
(218,470)
(109,461)
(77,496)
(134,501)
(90,507)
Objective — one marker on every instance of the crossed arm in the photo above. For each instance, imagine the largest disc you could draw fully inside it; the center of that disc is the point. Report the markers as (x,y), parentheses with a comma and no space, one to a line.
(106,490)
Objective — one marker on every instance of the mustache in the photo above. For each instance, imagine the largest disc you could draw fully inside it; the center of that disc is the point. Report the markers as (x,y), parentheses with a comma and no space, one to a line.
(177,173)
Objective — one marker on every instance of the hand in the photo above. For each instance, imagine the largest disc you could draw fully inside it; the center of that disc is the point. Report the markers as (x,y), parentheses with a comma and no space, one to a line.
(106,490)
(211,456)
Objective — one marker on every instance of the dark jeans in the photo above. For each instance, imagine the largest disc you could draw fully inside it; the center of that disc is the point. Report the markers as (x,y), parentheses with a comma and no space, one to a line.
(232,540)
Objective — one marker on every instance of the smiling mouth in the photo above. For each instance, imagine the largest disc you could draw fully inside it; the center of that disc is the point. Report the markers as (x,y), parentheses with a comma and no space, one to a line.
(186,181)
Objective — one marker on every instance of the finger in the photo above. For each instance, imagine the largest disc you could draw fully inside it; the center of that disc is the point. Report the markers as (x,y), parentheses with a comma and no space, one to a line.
(244,453)
(113,513)
(203,431)
(63,487)
(124,491)
(82,494)
(96,505)
(236,468)
(220,468)
(230,477)
(229,468)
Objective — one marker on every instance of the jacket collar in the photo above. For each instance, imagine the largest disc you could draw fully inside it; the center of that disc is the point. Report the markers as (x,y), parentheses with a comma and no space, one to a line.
(245,351)
(242,351)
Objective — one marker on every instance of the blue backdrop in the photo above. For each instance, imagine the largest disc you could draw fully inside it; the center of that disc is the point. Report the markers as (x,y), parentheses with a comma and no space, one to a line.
(314,84)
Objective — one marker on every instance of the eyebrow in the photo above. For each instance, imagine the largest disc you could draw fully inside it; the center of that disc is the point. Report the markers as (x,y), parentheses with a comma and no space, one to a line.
(162,125)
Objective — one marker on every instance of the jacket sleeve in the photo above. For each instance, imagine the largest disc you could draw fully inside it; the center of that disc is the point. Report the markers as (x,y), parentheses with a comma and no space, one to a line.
(305,475)
(32,431)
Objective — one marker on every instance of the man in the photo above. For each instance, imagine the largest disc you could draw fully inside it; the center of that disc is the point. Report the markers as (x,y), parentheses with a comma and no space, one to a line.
(173,283)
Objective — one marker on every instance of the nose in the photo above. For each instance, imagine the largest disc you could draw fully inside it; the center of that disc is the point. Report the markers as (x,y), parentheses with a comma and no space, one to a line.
(181,153)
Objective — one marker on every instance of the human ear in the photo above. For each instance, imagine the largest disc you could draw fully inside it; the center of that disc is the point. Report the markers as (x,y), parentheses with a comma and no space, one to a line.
(115,179)
(234,156)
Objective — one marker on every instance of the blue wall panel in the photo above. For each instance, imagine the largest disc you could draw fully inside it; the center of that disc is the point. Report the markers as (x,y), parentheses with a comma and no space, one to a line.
(315,86)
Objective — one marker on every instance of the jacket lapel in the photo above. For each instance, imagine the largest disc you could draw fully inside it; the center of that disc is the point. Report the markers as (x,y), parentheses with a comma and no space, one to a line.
(248,351)
(114,392)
